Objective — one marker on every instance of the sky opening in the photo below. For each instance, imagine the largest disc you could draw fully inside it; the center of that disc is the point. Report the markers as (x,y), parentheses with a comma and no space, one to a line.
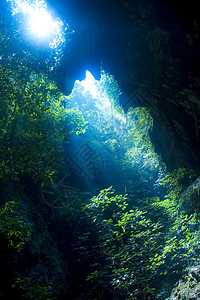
(40,23)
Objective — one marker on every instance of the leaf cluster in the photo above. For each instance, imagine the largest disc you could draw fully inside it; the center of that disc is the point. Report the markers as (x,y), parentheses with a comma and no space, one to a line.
(129,242)
(30,288)
(13,226)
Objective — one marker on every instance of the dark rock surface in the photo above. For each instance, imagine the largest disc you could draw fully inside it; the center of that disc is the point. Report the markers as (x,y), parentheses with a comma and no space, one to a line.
(153,50)
(40,264)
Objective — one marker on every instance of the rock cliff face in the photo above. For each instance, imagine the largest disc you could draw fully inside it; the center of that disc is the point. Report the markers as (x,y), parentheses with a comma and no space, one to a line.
(153,49)
(39,269)
(188,287)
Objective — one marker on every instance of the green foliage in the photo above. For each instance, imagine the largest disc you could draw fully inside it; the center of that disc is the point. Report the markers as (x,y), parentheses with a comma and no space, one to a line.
(181,246)
(125,135)
(136,249)
(29,125)
(152,237)
(128,241)
(133,240)
(171,185)
(13,225)
(33,116)
(108,86)
(33,125)
(31,289)
(76,121)
(139,156)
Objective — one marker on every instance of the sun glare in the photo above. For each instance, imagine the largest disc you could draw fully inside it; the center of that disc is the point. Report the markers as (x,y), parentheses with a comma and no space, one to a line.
(41,24)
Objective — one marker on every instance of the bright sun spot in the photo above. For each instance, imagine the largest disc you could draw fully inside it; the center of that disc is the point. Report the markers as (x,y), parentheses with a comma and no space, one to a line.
(40,22)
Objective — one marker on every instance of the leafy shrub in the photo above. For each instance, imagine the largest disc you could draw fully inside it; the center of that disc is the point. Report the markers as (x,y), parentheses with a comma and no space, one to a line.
(128,241)
(13,226)
(31,289)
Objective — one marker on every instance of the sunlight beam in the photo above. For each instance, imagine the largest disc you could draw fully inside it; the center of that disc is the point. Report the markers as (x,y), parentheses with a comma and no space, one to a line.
(90,84)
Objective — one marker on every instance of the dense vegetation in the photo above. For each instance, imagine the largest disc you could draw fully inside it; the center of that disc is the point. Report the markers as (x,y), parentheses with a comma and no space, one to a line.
(79,238)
